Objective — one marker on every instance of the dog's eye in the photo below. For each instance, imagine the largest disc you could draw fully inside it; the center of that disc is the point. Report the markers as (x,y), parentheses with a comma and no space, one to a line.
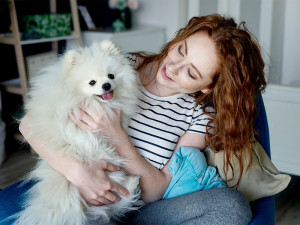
(92,83)
(111,76)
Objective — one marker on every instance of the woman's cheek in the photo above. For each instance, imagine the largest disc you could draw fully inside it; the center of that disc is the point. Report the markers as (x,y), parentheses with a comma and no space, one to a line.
(189,86)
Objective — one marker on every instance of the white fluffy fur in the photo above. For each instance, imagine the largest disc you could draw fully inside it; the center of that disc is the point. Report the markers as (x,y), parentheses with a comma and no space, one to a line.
(57,90)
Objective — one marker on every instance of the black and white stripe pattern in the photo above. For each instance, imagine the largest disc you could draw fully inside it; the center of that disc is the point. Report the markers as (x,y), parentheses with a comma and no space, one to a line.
(161,121)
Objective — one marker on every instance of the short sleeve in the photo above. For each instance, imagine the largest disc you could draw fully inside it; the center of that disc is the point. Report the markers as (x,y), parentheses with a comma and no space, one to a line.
(199,120)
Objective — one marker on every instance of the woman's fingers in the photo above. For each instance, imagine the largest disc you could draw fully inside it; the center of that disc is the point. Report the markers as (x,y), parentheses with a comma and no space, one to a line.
(78,122)
(105,197)
(104,201)
(95,115)
(109,198)
(108,166)
(86,118)
(93,202)
(111,185)
(120,189)
(85,121)
(103,123)
(99,201)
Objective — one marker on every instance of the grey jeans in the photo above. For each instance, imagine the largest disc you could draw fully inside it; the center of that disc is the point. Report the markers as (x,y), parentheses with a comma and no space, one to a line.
(210,207)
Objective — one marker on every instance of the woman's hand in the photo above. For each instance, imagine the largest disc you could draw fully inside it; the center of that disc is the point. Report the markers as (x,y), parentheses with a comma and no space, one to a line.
(93,183)
(109,126)
(91,180)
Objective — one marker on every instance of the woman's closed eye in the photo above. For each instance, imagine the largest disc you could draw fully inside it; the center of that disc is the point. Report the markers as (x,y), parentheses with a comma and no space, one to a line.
(180,50)
(189,73)
(188,70)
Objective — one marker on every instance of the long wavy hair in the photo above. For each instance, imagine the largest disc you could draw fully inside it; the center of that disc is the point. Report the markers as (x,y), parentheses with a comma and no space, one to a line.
(238,80)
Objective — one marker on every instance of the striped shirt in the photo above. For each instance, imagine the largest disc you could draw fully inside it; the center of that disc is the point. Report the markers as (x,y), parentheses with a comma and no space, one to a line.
(161,121)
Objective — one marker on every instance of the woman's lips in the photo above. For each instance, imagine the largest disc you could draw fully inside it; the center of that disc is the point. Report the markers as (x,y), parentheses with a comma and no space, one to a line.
(164,74)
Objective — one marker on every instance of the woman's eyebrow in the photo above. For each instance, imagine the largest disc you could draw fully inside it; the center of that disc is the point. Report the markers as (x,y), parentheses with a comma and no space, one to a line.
(185,47)
(186,53)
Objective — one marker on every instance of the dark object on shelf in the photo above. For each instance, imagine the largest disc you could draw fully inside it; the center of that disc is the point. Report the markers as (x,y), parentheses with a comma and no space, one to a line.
(122,19)
(100,13)
(47,25)
(122,13)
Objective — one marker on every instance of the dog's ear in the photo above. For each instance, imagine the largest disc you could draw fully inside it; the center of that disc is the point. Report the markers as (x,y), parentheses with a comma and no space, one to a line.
(70,59)
(110,47)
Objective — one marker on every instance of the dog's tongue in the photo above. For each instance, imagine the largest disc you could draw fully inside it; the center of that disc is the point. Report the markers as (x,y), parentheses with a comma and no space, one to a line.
(107,96)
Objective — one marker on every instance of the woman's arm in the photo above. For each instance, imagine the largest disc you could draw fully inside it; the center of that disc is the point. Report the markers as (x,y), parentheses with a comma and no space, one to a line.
(91,180)
(153,182)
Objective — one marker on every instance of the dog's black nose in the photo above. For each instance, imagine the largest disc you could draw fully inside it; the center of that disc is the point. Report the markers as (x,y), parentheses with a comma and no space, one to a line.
(106,86)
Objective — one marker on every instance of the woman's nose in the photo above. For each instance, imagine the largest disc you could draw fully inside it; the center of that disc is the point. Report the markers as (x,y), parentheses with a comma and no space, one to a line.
(175,67)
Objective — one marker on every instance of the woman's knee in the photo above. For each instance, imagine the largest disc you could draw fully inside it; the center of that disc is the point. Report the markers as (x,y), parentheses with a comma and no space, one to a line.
(214,206)
(220,206)
(236,206)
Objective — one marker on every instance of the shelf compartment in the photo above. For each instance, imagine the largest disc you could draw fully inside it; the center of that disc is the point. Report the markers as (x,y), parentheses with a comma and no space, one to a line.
(19,86)
(43,40)
(10,40)
(13,86)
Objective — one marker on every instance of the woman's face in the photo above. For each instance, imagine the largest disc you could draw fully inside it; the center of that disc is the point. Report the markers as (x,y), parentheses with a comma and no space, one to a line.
(189,66)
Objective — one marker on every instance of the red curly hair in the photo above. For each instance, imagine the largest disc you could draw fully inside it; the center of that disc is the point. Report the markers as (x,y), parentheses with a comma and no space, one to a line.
(238,80)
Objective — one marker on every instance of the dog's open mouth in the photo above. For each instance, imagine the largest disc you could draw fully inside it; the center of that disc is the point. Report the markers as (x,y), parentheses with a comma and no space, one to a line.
(107,96)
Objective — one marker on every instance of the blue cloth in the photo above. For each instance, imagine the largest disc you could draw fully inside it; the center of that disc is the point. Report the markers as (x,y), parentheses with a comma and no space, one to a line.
(190,173)
(11,201)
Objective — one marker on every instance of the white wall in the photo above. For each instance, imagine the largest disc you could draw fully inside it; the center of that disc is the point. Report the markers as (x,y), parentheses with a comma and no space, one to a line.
(278,20)
(250,13)
(170,14)
(283,108)
(291,44)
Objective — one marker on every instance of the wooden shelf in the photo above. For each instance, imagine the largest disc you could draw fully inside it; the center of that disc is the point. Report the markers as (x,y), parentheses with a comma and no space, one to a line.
(19,86)
(13,86)
(43,40)
(7,40)
(11,41)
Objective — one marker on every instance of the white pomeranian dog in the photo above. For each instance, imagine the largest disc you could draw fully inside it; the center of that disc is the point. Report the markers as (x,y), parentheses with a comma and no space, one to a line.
(99,77)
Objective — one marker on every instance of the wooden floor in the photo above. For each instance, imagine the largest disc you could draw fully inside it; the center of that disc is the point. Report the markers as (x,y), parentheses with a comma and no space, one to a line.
(15,167)
(287,203)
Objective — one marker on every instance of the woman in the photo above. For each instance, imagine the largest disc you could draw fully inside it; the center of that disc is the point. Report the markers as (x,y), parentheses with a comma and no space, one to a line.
(211,64)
